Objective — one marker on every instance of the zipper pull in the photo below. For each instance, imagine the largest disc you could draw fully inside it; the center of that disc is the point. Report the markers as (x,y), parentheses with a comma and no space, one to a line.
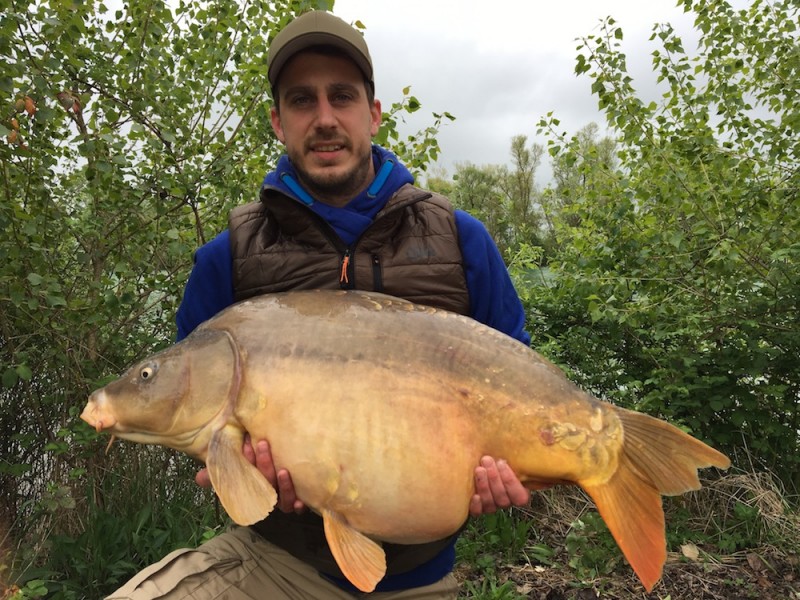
(345,264)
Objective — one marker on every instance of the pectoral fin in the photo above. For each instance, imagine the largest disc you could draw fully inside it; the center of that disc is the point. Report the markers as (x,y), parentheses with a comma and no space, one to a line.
(244,492)
(361,560)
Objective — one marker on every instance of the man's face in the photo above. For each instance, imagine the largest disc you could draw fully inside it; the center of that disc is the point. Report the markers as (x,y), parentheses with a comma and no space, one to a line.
(326,123)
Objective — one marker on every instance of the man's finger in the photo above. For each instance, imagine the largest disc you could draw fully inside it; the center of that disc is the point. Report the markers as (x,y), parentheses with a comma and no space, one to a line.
(202,479)
(475,506)
(482,502)
(496,484)
(287,498)
(516,493)
(263,462)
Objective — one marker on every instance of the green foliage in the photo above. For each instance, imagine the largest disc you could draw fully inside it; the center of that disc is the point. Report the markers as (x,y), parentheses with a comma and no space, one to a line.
(591,549)
(735,513)
(418,150)
(138,128)
(576,173)
(477,191)
(675,289)
(661,269)
(671,278)
(504,532)
(121,532)
(488,589)
(561,533)
(504,199)
(746,527)
(490,541)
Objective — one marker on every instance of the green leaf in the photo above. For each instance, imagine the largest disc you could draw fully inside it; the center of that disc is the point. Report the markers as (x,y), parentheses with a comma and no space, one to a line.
(24,372)
(10,378)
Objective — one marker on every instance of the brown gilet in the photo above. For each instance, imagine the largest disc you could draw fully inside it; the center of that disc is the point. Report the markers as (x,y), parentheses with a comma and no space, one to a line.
(410,250)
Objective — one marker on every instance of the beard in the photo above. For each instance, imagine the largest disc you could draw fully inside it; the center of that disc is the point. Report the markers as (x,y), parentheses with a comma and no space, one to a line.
(331,184)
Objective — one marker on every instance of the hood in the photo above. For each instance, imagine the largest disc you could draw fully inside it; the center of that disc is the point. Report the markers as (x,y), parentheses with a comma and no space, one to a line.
(351,220)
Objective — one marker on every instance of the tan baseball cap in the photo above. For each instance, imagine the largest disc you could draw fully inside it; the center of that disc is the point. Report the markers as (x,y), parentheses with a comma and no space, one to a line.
(318,28)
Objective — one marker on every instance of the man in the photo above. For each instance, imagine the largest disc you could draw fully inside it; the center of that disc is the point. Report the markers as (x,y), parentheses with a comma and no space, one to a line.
(337,212)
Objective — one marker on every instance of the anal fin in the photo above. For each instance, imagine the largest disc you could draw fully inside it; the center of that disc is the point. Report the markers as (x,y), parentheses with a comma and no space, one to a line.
(361,559)
(244,492)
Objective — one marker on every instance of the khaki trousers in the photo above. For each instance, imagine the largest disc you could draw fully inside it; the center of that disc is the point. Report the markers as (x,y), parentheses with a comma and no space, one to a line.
(241,565)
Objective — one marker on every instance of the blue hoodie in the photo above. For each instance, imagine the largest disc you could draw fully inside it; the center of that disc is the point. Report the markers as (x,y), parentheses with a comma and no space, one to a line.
(493,299)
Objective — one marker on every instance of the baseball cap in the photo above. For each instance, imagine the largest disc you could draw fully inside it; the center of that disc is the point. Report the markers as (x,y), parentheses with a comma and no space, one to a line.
(318,28)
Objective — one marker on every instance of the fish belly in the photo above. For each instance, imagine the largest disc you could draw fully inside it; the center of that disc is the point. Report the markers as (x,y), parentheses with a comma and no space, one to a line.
(387,456)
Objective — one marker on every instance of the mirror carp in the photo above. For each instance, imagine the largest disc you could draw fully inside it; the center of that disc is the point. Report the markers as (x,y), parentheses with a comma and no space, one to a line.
(381,409)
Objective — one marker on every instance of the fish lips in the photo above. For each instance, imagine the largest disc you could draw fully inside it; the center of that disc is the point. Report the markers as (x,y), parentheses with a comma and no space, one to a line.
(96,413)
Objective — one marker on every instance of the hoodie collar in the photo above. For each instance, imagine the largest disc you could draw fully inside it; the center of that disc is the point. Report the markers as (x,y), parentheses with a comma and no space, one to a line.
(350,220)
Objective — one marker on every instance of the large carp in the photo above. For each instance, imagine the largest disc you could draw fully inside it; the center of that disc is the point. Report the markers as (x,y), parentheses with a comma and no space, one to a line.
(380,409)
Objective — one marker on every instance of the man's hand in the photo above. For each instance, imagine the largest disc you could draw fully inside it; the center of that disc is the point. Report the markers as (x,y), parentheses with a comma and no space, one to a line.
(496,486)
(261,457)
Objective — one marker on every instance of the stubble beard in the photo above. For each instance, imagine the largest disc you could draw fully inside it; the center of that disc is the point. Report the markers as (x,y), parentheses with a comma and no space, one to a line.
(336,188)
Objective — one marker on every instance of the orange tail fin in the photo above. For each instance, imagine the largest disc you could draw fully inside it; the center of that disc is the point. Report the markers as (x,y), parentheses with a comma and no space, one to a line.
(657,458)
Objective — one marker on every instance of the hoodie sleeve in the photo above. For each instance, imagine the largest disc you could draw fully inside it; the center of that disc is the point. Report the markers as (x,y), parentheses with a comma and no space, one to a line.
(210,288)
(493,299)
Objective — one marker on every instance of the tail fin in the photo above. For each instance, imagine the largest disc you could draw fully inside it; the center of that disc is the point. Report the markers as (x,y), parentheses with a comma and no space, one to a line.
(657,458)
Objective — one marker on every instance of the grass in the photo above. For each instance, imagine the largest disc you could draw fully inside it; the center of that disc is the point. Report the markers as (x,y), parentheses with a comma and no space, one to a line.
(738,537)
(85,541)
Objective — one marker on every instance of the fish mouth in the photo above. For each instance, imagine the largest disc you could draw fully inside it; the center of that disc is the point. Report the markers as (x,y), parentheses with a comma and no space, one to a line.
(96,413)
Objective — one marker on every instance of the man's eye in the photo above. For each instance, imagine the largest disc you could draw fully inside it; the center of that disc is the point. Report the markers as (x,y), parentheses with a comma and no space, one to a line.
(301,101)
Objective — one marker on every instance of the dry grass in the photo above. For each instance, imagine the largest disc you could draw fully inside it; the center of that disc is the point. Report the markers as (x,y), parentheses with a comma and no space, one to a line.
(720,500)
(748,510)
(5,563)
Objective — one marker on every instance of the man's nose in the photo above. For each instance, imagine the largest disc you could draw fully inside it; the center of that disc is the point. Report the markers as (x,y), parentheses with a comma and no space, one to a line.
(326,115)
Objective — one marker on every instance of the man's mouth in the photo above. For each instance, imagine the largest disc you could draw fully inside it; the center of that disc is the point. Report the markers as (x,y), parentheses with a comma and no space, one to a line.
(328,148)
(322,146)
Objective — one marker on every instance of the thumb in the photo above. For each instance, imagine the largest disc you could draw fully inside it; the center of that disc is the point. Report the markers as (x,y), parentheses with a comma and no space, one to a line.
(202,478)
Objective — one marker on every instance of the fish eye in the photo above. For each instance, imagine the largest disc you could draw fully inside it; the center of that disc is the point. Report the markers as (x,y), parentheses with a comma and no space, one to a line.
(147,372)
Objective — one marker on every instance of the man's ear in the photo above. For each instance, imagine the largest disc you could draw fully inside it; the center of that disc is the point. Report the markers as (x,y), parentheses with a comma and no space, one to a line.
(275,119)
(377,117)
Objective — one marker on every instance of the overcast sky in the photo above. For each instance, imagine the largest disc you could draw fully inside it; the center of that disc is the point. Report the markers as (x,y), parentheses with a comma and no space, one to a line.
(500,66)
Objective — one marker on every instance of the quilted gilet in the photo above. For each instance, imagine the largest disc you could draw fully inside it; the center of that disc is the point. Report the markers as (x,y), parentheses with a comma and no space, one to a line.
(410,250)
